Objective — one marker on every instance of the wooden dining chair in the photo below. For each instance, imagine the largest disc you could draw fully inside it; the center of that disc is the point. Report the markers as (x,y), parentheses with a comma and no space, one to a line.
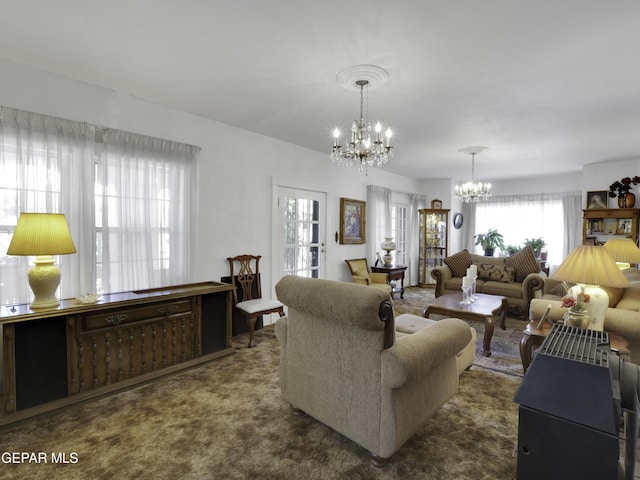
(244,271)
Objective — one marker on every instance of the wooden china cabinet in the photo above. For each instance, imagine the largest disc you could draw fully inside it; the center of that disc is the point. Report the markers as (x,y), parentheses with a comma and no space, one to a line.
(434,243)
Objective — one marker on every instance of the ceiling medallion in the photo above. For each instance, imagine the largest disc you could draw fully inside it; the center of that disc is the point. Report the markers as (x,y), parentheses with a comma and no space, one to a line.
(472,191)
(362,151)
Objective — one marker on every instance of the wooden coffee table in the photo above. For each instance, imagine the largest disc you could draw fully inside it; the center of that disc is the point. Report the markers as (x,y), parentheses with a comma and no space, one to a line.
(533,337)
(487,309)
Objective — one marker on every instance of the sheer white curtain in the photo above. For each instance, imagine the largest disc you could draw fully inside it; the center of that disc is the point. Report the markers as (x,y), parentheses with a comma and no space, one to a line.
(378,219)
(144,204)
(413,241)
(44,161)
(468,230)
(519,217)
(572,209)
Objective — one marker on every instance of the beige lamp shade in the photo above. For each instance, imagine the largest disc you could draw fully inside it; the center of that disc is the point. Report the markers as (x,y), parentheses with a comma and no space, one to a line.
(591,265)
(41,234)
(623,250)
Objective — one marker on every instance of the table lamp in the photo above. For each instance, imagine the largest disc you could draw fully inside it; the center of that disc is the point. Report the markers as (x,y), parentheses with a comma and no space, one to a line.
(624,251)
(592,267)
(42,235)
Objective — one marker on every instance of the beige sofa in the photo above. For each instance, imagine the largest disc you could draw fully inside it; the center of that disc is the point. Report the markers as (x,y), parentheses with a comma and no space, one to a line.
(518,277)
(342,364)
(622,317)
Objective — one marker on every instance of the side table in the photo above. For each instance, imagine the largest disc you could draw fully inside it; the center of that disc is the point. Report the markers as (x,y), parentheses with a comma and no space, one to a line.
(395,272)
(532,337)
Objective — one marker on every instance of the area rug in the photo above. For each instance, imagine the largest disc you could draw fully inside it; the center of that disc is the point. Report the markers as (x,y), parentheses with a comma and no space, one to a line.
(227,420)
(505,344)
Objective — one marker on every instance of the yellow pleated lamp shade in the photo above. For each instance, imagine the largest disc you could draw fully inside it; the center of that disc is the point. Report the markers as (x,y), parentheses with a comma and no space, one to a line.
(41,234)
(591,265)
(623,250)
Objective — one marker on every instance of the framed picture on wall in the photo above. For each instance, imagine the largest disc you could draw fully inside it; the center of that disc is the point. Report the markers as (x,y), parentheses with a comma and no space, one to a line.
(597,199)
(352,221)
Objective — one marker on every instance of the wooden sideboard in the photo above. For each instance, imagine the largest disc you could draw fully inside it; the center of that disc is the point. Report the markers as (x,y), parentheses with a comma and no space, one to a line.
(56,357)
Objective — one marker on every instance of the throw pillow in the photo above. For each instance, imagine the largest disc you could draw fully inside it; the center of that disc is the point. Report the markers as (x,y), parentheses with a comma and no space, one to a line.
(497,273)
(561,289)
(459,263)
(524,262)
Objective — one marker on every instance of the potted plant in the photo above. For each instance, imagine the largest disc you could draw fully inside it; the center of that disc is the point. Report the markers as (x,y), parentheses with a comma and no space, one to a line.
(621,189)
(511,249)
(489,241)
(536,244)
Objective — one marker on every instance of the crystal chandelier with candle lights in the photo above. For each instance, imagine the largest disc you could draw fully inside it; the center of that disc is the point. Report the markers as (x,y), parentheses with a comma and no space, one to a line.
(363,151)
(472,191)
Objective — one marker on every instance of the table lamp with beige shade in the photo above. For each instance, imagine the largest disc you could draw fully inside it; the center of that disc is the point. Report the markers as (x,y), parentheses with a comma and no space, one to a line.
(591,267)
(42,235)
(624,251)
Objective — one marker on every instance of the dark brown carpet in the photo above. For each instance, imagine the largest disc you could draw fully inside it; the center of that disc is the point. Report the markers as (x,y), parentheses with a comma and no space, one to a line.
(227,420)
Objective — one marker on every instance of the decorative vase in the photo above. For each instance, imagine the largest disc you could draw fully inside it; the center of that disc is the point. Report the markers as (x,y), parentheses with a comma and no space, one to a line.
(626,200)
(576,319)
(388,246)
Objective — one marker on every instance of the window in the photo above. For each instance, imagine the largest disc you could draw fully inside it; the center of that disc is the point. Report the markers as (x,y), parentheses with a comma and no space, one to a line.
(127,199)
(399,231)
(525,216)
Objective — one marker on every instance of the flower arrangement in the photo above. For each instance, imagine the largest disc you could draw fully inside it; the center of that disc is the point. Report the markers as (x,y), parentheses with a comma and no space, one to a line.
(578,303)
(622,187)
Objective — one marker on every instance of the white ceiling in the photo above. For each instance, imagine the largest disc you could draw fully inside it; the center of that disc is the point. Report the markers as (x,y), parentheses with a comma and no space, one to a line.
(547,85)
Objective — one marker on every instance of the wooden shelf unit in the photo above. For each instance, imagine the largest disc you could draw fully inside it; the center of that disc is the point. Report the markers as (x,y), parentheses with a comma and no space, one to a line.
(64,355)
(600,225)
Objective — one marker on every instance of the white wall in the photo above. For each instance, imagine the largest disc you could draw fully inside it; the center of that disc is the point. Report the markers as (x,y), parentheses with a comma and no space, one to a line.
(598,177)
(236,167)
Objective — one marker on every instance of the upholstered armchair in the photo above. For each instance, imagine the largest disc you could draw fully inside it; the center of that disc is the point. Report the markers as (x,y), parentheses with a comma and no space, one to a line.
(342,364)
(360,274)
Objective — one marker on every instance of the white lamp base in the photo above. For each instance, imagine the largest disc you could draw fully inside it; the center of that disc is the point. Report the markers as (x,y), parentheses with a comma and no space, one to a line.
(44,279)
(598,304)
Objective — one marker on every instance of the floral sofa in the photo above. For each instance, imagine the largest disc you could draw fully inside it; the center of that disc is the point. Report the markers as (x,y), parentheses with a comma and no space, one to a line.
(622,317)
(518,277)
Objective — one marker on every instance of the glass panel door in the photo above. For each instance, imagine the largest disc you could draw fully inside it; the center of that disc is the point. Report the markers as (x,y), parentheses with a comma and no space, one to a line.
(302,226)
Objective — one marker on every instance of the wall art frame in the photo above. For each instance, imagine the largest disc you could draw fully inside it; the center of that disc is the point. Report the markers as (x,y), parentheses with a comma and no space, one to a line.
(599,199)
(353,221)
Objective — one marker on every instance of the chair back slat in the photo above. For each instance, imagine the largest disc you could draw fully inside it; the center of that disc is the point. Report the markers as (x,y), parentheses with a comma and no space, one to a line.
(247,277)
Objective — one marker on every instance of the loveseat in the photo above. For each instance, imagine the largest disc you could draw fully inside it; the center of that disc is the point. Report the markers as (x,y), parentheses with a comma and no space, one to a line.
(342,363)
(622,316)
(518,277)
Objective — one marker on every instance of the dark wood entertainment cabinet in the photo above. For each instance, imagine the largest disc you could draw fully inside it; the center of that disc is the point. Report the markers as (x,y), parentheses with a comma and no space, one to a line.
(60,356)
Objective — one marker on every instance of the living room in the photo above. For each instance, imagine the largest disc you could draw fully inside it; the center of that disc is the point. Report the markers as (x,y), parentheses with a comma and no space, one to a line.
(241,172)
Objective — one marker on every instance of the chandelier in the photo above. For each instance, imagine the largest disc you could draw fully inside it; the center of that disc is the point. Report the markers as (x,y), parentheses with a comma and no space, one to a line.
(362,150)
(472,191)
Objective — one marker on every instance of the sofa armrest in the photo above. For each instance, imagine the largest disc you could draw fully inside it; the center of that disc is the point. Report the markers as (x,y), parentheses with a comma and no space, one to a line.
(378,277)
(441,275)
(412,356)
(538,306)
(531,284)
(623,322)
(618,320)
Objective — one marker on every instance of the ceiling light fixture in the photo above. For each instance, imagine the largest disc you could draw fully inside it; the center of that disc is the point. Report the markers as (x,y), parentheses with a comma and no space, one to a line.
(472,191)
(362,151)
